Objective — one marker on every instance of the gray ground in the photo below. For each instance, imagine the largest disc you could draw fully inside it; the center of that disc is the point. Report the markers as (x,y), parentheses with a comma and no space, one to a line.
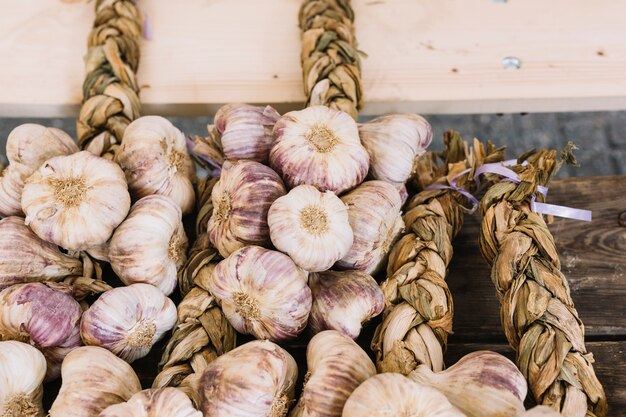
(601,136)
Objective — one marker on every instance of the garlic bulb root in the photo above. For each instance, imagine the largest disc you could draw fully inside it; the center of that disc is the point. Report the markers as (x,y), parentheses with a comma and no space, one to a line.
(164,402)
(22,370)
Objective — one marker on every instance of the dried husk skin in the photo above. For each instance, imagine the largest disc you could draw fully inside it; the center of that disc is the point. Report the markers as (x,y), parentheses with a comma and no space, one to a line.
(110,90)
(255,379)
(166,402)
(202,332)
(22,371)
(336,366)
(418,305)
(93,379)
(24,257)
(536,309)
(480,384)
(45,317)
(331,65)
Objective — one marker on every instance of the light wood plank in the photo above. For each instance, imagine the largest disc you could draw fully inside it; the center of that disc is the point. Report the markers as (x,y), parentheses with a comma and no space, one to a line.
(431,56)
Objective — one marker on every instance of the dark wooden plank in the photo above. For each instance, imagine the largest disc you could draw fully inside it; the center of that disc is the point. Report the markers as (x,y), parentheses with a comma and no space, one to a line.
(610,367)
(593,256)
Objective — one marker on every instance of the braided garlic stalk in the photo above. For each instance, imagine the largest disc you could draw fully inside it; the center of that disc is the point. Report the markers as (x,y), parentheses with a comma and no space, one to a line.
(537,311)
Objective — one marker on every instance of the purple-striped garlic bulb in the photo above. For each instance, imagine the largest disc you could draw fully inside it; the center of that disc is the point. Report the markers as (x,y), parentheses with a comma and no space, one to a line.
(344,301)
(47,318)
(245,131)
(24,257)
(311,227)
(150,245)
(241,200)
(154,157)
(319,146)
(162,402)
(336,367)
(263,293)
(393,142)
(375,217)
(28,146)
(22,369)
(128,321)
(257,379)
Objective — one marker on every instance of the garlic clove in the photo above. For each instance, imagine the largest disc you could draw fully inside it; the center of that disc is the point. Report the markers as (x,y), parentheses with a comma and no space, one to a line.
(336,366)
(48,319)
(541,411)
(319,146)
(255,379)
(22,369)
(262,293)
(11,186)
(31,145)
(311,227)
(93,379)
(164,402)
(128,321)
(393,142)
(241,200)
(76,201)
(154,157)
(150,245)
(374,215)
(481,384)
(343,301)
(392,394)
(25,257)
(245,131)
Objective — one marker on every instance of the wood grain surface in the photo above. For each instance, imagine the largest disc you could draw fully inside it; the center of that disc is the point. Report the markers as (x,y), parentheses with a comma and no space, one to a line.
(429,56)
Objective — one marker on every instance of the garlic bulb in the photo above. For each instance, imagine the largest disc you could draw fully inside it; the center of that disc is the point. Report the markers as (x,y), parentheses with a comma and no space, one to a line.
(150,245)
(28,146)
(24,257)
(262,293)
(22,368)
(164,402)
(93,379)
(393,142)
(311,227)
(481,384)
(541,411)
(154,157)
(343,301)
(255,379)
(44,317)
(319,146)
(128,321)
(241,200)
(374,215)
(336,366)
(245,131)
(392,394)
(76,201)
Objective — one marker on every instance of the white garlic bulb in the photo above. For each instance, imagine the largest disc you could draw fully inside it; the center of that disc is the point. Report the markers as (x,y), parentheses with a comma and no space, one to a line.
(374,214)
(262,293)
(150,245)
(319,146)
(256,379)
(154,157)
(28,146)
(163,402)
(336,366)
(46,318)
(541,411)
(343,301)
(24,257)
(128,321)
(310,226)
(241,200)
(392,394)
(93,379)
(481,384)
(393,142)
(22,369)
(245,131)
(76,201)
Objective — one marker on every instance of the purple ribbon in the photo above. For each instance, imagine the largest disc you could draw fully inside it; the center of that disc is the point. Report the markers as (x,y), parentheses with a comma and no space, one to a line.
(454,187)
